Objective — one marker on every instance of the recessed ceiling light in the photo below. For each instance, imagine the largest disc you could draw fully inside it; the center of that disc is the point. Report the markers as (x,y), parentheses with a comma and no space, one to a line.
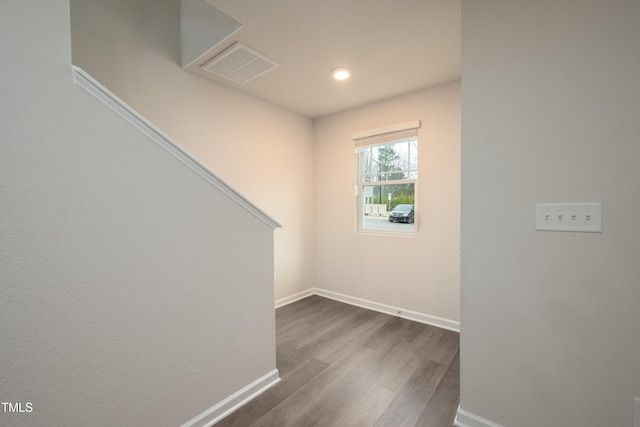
(341,73)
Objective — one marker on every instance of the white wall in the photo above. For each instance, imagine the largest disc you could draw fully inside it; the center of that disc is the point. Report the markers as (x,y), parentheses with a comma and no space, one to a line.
(132,292)
(415,273)
(550,321)
(133,48)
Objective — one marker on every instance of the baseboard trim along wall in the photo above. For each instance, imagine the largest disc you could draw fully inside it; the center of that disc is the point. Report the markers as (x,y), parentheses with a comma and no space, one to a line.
(295,297)
(468,419)
(235,401)
(440,322)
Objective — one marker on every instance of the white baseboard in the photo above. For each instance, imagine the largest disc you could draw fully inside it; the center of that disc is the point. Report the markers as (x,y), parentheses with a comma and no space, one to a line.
(451,325)
(468,419)
(295,297)
(440,322)
(235,401)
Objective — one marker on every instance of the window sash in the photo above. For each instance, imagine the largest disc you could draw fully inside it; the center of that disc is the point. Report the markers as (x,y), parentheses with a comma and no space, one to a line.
(404,166)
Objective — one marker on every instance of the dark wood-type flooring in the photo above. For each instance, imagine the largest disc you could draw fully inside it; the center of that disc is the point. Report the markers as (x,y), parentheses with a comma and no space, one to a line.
(347,366)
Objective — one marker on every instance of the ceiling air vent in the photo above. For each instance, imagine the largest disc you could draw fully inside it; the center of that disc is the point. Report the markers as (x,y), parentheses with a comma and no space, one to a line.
(240,64)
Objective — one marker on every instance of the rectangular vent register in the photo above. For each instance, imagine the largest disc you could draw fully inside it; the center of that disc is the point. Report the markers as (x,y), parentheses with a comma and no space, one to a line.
(240,64)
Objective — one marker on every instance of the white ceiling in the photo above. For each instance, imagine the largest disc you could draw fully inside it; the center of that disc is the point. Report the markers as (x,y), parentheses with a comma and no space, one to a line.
(393,47)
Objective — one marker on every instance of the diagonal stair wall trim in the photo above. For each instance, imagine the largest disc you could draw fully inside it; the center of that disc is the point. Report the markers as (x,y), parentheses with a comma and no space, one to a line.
(106,97)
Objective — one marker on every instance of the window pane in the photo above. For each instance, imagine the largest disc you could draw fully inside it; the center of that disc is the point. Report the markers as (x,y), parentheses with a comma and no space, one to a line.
(386,175)
(389,162)
(388,207)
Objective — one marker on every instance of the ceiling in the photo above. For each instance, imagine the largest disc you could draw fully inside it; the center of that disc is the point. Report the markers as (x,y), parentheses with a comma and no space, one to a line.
(393,47)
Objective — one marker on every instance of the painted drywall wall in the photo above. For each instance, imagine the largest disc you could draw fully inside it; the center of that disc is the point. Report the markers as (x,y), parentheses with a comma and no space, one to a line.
(132,291)
(415,273)
(133,48)
(550,320)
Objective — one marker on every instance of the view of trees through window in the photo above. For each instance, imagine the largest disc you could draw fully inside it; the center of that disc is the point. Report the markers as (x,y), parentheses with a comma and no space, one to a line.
(387,179)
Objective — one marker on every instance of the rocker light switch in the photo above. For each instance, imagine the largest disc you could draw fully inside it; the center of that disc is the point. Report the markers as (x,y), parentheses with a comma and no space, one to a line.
(582,217)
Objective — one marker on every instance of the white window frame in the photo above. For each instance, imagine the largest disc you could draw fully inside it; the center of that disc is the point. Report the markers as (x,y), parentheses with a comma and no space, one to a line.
(379,137)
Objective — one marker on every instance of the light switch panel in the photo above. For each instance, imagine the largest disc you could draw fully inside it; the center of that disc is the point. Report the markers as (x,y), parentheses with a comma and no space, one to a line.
(582,217)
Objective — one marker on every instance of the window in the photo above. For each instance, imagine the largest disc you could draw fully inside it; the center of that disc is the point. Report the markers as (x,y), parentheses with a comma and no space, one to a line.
(386,178)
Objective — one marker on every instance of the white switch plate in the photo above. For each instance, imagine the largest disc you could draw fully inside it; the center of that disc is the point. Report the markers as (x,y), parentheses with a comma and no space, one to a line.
(583,217)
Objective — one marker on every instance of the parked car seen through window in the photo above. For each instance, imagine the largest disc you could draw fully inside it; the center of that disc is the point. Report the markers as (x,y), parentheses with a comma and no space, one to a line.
(402,213)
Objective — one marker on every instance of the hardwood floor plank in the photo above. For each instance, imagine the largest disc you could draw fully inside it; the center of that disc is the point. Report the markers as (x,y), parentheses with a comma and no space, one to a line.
(332,344)
(364,324)
(394,331)
(347,366)
(365,411)
(323,322)
(446,348)
(291,382)
(441,409)
(291,332)
(410,402)
(396,365)
(322,400)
